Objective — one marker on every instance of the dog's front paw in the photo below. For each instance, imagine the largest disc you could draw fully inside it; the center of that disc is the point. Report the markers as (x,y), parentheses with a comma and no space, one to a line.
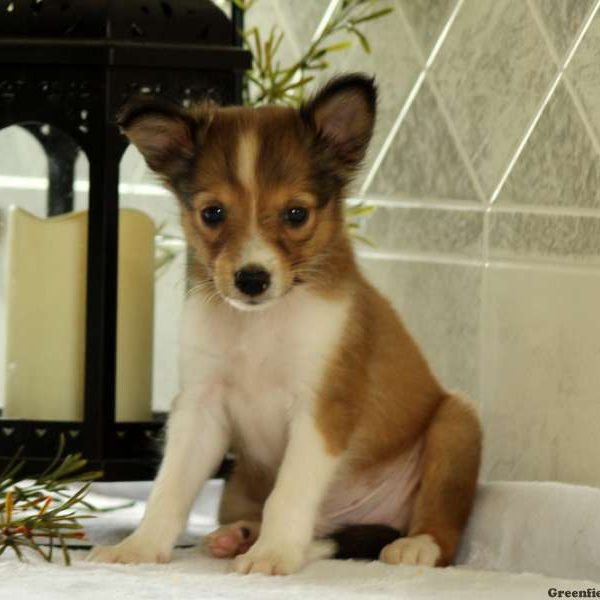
(132,550)
(420,550)
(270,559)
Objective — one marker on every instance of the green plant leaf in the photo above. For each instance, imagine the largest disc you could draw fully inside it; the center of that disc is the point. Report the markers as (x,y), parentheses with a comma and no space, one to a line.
(373,16)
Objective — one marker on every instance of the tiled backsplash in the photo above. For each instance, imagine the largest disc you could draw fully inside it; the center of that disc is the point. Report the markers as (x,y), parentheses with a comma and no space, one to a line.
(485,170)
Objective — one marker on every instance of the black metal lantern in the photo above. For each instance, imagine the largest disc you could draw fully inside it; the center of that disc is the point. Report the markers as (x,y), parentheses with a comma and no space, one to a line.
(71,64)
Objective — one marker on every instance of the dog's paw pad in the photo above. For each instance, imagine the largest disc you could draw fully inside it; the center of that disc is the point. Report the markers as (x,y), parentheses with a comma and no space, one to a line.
(420,550)
(230,540)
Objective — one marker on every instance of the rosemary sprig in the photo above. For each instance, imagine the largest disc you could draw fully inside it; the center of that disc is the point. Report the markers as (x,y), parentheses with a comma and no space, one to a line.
(270,82)
(40,513)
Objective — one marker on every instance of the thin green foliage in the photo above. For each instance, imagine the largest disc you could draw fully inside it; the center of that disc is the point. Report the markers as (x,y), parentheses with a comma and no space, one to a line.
(271,82)
(42,513)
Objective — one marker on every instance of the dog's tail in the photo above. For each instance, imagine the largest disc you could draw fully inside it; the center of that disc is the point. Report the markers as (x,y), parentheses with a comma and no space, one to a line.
(354,541)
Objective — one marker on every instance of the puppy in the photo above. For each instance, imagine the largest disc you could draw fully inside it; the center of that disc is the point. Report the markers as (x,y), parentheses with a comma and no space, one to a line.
(289,357)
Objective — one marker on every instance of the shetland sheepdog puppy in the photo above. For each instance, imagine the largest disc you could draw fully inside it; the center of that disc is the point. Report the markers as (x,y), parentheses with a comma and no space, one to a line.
(345,444)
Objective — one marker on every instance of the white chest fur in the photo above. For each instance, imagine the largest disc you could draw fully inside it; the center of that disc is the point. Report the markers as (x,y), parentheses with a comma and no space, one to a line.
(266,364)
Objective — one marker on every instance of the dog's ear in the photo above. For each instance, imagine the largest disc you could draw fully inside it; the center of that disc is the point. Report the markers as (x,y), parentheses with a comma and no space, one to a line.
(343,115)
(166,134)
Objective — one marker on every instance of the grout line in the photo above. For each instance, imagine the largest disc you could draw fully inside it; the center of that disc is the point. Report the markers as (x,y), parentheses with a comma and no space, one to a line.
(561,69)
(451,204)
(392,134)
(409,100)
(550,211)
(442,107)
(333,4)
(412,38)
(579,107)
(462,152)
(501,262)
(525,138)
(443,34)
(420,257)
(562,267)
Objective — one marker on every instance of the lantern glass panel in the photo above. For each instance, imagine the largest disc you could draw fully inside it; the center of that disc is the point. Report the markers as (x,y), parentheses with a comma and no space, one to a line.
(44,181)
(153,336)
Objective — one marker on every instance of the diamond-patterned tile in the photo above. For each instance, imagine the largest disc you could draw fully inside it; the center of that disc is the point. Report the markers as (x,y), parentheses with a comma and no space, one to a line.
(395,65)
(584,72)
(493,71)
(562,19)
(559,165)
(427,19)
(423,160)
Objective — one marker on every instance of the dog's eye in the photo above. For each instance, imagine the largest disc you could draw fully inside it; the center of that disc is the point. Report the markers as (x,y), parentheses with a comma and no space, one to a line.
(213,215)
(295,216)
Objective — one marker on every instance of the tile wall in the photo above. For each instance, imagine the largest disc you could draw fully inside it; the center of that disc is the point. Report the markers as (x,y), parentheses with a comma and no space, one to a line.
(485,170)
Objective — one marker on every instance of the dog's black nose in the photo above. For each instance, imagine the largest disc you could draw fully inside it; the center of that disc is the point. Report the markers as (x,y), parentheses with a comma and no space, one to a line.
(252,280)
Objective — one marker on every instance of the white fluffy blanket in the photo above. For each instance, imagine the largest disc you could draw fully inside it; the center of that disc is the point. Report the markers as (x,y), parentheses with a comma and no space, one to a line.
(550,530)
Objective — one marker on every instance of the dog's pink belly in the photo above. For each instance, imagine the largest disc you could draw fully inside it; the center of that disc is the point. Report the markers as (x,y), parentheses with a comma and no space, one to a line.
(382,498)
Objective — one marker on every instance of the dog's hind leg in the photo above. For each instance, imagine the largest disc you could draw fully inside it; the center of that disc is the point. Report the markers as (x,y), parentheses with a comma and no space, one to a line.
(451,459)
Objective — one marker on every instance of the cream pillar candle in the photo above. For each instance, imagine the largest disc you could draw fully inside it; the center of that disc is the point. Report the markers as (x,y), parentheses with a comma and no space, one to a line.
(46,290)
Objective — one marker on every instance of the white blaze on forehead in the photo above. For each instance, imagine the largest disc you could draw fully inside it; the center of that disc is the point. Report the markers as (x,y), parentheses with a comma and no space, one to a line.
(247,153)
(256,251)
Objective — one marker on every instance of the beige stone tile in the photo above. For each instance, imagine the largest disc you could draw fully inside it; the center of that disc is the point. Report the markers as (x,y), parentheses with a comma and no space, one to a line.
(301,18)
(493,71)
(449,232)
(541,375)
(440,305)
(427,19)
(559,165)
(423,160)
(562,19)
(395,65)
(584,72)
(552,238)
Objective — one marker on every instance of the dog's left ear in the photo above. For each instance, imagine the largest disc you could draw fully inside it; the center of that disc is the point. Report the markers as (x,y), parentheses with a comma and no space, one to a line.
(343,115)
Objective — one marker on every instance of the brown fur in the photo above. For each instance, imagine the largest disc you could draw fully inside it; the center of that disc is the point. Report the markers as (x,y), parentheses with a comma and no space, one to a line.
(379,396)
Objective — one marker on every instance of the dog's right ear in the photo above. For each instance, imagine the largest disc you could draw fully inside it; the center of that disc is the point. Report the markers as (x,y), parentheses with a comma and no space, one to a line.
(166,134)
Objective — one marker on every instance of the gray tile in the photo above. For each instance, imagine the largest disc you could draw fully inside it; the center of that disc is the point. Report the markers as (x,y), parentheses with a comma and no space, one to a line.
(393,62)
(562,19)
(559,165)
(423,160)
(541,376)
(440,305)
(584,72)
(448,232)
(300,18)
(427,19)
(552,238)
(493,71)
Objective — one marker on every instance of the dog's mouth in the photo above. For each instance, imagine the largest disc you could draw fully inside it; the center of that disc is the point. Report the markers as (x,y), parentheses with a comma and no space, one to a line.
(259,303)
(250,304)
